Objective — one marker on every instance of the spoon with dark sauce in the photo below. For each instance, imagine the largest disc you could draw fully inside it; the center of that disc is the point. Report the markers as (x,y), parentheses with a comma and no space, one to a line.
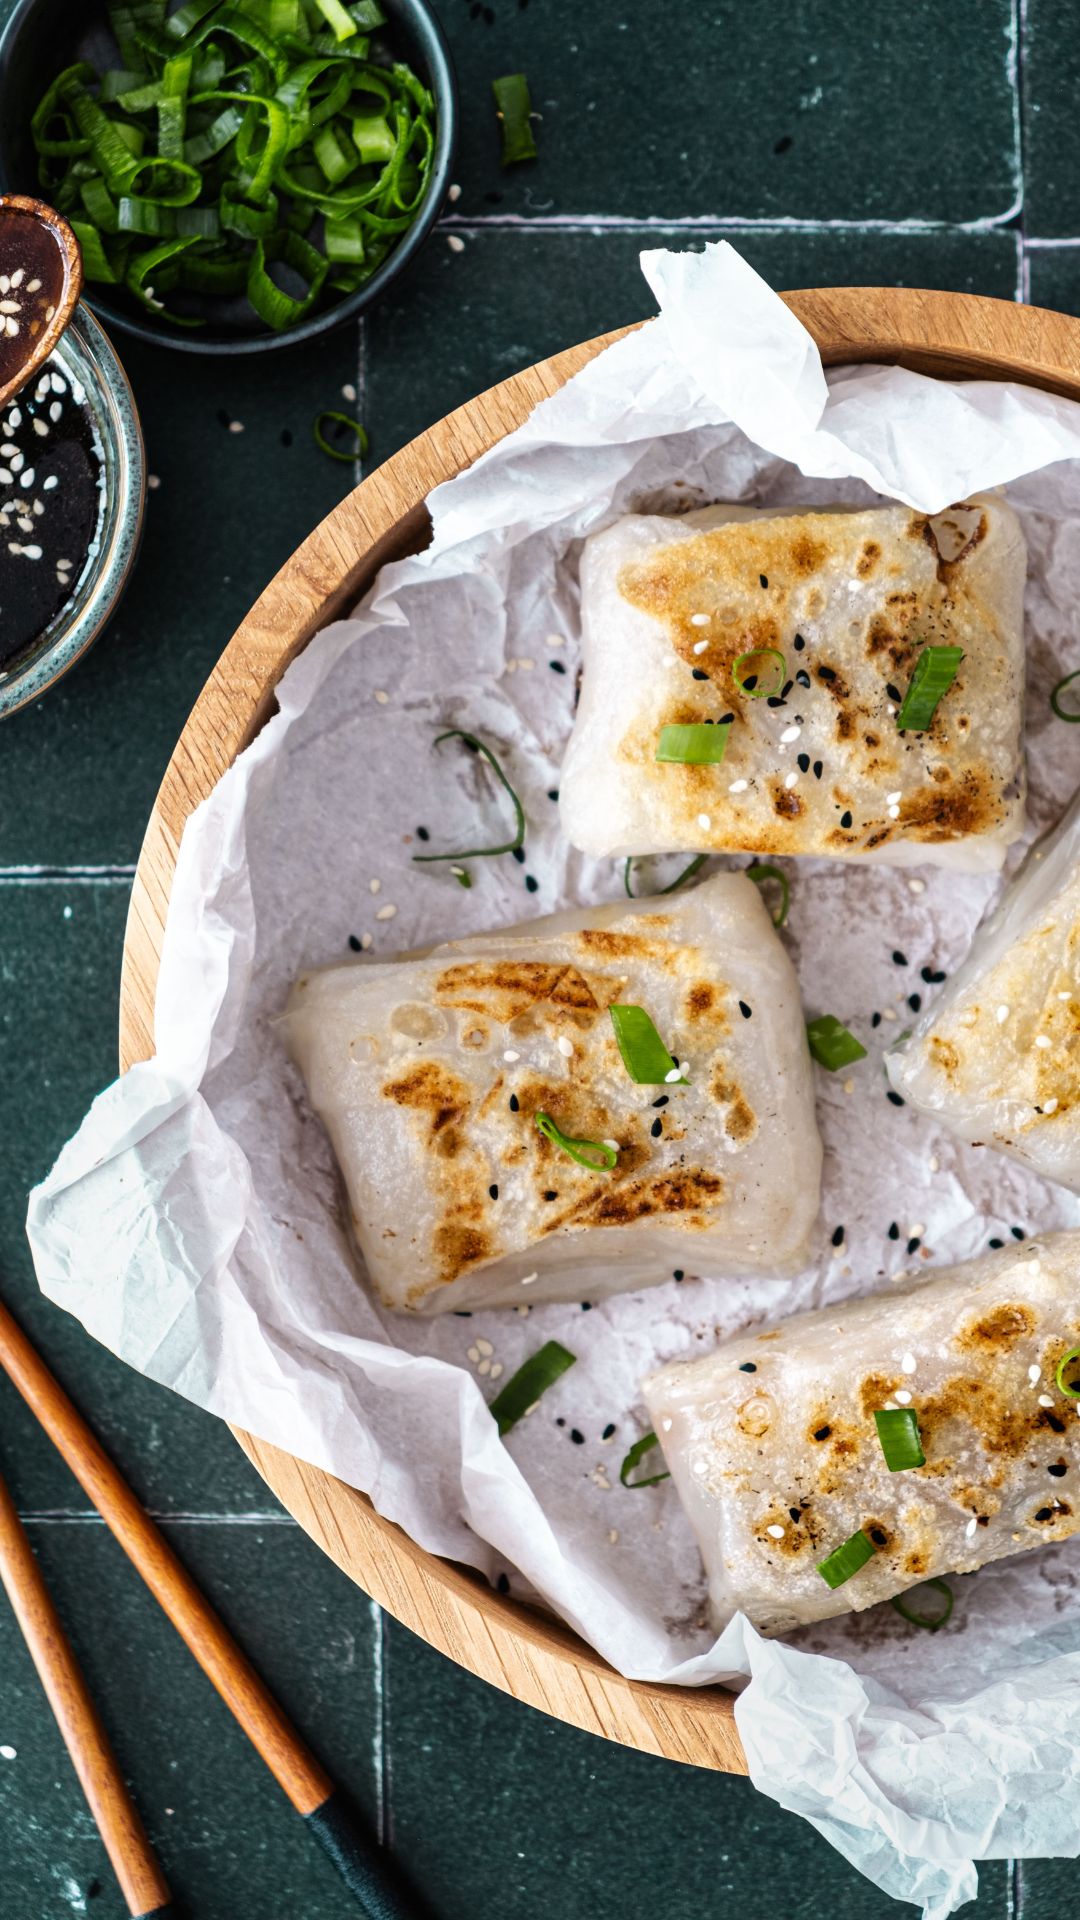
(40,281)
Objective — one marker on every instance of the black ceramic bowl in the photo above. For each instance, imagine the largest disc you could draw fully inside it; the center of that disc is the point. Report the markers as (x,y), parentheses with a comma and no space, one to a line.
(43,36)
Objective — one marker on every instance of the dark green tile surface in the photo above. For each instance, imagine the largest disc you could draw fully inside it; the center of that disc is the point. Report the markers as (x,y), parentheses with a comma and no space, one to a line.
(882,117)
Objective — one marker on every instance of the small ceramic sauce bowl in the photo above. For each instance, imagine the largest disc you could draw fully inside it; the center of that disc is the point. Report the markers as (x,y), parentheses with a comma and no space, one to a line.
(84,360)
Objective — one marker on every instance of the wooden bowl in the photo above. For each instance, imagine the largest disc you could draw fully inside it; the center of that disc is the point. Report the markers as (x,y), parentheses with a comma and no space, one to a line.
(517,1648)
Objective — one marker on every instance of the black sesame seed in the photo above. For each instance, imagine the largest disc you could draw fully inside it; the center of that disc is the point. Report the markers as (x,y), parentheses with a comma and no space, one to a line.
(764,578)
(586,1306)
(896,1098)
(879,1536)
(608,1430)
(531,884)
(678,1274)
(798,643)
(937,978)
(913,1244)
(519,855)
(826,673)
(786,689)
(493,1191)
(899,959)
(776,700)
(749,683)
(748,1366)
(354,943)
(502,1583)
(802,678)
(875,1019)
(838,1237)
(560,1422)
(657,1129)
(745,1010)
(1058,1470)
(894,694)
(783,144)
(795,1513)
(996,1244)
(927,974)
(817,769)
(1045,1513)
(556,666)
(1018,1233)
(422,833)
(462,1313)
(914,1001)
(286,437)
(662,1102)
(514,1108)
(804,763)
(894,1231)
(553,793)
(845,818)
(822,1433)
(1053,1420)
(577,1438)
(725,720)
(551,1194)
(700,674)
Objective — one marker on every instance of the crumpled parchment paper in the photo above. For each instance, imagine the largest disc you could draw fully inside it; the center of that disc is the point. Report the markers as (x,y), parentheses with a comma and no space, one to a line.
(193,1223)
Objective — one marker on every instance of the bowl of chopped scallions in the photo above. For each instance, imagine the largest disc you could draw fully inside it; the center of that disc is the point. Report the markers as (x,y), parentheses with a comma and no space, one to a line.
(241,174)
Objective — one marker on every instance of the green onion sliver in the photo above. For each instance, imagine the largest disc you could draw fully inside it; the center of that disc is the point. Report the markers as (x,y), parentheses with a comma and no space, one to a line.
(1071,1388)
(846,1560)
(687,873)
(481,853)
(934,672)
(1062,712)
(702,744)
(747,670)
(637,1453)
(594,1154)
(533,1378)
(898,1432)
(830,1043)
(930,1621)
(514,109)
(344,422)
(759,874)
(644,1054)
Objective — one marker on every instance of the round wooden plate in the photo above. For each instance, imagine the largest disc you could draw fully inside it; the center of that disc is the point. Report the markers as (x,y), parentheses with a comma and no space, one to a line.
(517,1648)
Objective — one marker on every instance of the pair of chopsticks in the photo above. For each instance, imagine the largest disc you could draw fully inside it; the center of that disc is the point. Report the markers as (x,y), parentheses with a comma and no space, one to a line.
(366,1870)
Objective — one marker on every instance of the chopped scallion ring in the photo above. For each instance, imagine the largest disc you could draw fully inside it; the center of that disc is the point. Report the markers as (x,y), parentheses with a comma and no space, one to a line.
(1062,712)
(344,423)
(748,668)
(1070,1360)
(701,744)
(644,1054)
(687,873)
(513,107)
(759,874)
(636,1454)
(846,1560)
(930,1621)
(480,853)
(594,1154)
(830,1043)
(933,674)
(898,1432)
(533,1378)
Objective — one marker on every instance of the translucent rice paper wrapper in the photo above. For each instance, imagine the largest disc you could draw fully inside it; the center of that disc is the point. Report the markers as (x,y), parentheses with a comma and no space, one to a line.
(194,1226)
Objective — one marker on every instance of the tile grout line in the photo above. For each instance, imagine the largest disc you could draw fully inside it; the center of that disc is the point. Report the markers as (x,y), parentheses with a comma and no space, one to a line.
(1019,17)
(378,1744)
(32,876)
(1013,1891)
(361,391)
(596,223)
(89,1517)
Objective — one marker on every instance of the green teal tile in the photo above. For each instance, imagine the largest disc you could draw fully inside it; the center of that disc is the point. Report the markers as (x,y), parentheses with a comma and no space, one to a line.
(60,947)
(576,1828)
(228,511)
(229,1842)
(467,319)
(1054,278)
(1051,130)
(1044,1888)
(827,110)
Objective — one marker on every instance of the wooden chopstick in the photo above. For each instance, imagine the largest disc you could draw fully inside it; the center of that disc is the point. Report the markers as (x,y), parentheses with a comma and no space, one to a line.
(368,1872)
(141,1880)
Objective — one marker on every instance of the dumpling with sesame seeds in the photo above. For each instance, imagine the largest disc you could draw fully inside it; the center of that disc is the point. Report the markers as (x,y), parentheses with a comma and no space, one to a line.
(494,1144)
(838,1458)
(744,672)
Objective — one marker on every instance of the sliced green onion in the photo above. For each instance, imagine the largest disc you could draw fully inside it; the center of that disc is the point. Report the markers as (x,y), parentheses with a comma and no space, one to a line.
(272,304)
(687,873)
(594,1154)
(759,873)
(372,138)
(514,110)
(930,1621)
(934,672)
(345,421)
(1062,712)
(898,1432)
(341,24)
(1071,1388)
(702,744)
(141,284)
(831,1044)
(344,240)
(748,668)
(636,1454)
(644,1054)
(846,1560)
(533,1378)
(480,853)
(94,258)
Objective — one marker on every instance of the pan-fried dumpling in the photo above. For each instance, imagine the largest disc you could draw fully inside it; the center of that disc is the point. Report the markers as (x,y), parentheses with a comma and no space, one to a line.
(847,600)
(996,1058)
(775,1452)
(428,1072)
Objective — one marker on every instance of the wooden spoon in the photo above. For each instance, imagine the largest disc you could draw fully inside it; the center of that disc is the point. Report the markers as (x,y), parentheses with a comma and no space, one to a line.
(40,280)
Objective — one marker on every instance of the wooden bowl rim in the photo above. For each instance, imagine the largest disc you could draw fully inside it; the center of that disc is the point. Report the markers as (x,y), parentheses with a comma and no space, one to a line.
(525,1652)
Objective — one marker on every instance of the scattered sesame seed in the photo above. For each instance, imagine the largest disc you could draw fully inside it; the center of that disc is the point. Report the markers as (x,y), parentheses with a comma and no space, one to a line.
(375,886)
(790,780)
(894,1231)
(738,786)
(673,1075)
(845,819)
(849,1086)
(657,1129)
(514,1103)
(455,243)
(381,698)
(971,1526)
(511,1056)
(697,673)
(1050,1106)
(1034,1375)
(386,913)
(153,481)
(894,1099)
(700,646)
(1046,1399)
(484,1367)
(699,619)
(613,1536)
(903,1397)
(485,1347)
(775,1532)
(236,426)
(454,193)
(565,1046)
(1041,1040)
(41,427)
(1002,1015)
(348,391)
(529,1278)
(704,822)
(894,813)
(473,1354)
(789,734)
(916,886)
(365,942)
(908,1363)
(838,1237)
(745,1010)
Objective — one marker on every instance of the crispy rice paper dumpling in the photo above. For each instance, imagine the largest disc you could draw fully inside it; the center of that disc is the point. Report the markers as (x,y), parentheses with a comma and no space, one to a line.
(996,1057)
(772,1442)
(849,599)
(428,1072)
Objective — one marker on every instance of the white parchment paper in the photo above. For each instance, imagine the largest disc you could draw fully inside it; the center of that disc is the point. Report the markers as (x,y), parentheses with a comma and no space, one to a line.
(193,1223)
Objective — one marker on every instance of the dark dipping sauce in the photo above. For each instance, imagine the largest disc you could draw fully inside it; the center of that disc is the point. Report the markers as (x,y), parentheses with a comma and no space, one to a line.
(51,499)
(31,283)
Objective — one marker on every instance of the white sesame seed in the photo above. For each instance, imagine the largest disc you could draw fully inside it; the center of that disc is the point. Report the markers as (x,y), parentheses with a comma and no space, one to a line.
(523,1310)
(511,1056)
(348,391)
(485,1347)
(473,1354)
(41,427)
(699,620)
(55,410)
(33,286)
(894,813)
(1041,1040)
(565,1046)
(5,283)
(497,1368)
(738,786)
(455,243)
(26,479)
(971,1526)
(613,1536)
(386,913)
(454,193)
(18,276)
(381,698)
(16,461)
(903,1397)
(790,780)
(24,525)
(849,1086)
(236,426)
(525,662)
(704,822)
(484,1367)
(458,873)
(6,478)
(892,798)
(1034,1375)
(38,506)
(700,646)
(11,327)
(529,1278)
(58,385)
(365,941)
(775,1533)
(907,1364)
(1051,1105)
(153,481)
(675,1074)
(613,1144)
(1046,1399)
(28,553)
(8,449)
(1061,996)
(1002,1015)
(916,1230)
(665,1425)
(789,734)
(374,886)
(888,1013)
